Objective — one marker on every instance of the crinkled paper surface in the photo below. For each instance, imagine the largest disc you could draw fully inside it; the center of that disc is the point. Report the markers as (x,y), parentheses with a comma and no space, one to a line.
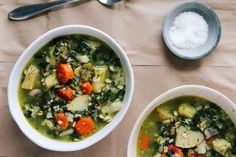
(136,25)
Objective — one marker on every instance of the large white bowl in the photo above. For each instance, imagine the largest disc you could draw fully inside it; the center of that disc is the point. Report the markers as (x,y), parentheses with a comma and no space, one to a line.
(193,90)
(16,73)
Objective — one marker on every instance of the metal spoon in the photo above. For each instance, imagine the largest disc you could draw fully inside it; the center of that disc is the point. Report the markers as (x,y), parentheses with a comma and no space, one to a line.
(29,11)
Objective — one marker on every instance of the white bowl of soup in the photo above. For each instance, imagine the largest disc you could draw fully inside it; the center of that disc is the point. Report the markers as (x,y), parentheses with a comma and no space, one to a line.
(189,120)
(70,88)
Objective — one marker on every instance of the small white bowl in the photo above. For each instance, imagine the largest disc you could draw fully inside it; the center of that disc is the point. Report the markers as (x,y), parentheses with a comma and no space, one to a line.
(214,30)
(193,90)
(16,73)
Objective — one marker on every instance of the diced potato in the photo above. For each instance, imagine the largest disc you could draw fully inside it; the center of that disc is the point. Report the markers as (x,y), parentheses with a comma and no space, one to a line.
(80,103)
(30,77)
(99,78)
(187,110)
(106,110)
(51,80)
(163,112)
(220,146)
(116,106)
(186,138)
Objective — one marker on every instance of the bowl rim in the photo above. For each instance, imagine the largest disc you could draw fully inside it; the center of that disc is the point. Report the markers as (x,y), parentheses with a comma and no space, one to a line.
(165,96)
(165,34)
(13,103)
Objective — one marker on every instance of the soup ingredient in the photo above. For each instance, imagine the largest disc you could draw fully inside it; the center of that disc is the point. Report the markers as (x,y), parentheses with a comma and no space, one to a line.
(210,132)
(187,110)
(35,92)
(157,154)
(50,80)
(99,78)
(66,132)
(172,150)
(164,112)
(66,93)
(195,155)
(62,121)
(64,73)
(116,106)
(201,148)
(30,77)
(82,58)
(80,103)
(84,126)
(187,126)
(189,30)
(186,138)
(144,143)
(220,145)
(86,88)
(77,71)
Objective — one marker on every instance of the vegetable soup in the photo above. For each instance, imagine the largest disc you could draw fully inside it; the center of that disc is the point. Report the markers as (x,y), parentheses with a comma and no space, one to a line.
(72,87)
(187,126)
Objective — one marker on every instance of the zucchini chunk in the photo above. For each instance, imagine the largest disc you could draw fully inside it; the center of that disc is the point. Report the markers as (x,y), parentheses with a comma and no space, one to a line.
(164,112)
(80,103)
(186,138)
(99,78)
(187,110)
(30,77)
(220,145)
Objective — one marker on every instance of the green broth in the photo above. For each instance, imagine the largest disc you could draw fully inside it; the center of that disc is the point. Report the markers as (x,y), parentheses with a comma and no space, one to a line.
(162,127)
(93,62)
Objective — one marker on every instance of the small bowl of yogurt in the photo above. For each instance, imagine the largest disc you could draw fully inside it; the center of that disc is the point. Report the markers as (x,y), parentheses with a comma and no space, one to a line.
(191,30)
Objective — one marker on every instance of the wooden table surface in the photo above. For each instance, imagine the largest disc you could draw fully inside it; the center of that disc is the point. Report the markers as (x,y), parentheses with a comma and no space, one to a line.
(136,25)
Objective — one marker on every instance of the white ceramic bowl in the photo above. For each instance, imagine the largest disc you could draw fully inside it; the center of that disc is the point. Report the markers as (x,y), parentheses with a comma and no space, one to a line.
(16,73)
(210,94)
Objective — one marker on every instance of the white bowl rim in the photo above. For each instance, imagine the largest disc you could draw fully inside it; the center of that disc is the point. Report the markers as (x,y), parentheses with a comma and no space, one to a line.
(13,103)
(231,107)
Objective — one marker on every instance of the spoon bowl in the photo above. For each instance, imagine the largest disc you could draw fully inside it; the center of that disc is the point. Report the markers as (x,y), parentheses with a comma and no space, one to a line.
(109,2)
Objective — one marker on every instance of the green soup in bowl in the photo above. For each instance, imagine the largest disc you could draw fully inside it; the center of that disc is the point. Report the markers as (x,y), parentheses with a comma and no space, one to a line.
(70,88)
(71,80)
(191,121)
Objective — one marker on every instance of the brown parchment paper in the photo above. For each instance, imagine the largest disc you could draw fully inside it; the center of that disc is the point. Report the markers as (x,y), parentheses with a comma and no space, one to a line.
(136,25)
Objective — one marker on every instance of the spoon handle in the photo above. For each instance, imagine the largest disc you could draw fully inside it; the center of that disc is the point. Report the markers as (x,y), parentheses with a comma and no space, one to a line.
(28,11)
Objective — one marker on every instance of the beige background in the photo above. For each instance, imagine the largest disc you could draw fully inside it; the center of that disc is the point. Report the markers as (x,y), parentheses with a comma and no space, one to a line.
(136,25)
